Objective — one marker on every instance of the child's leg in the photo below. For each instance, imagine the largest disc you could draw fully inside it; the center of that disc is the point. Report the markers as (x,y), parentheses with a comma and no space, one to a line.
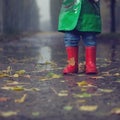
(71,40)
(90,52)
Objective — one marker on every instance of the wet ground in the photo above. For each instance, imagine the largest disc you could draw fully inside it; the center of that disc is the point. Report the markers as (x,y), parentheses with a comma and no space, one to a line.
(32,86)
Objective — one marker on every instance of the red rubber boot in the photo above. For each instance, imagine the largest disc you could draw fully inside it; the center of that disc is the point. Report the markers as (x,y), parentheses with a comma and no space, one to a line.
(72,54)
(91,60)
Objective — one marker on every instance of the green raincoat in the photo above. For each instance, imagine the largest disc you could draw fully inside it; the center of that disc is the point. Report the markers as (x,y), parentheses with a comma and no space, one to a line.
(82,15)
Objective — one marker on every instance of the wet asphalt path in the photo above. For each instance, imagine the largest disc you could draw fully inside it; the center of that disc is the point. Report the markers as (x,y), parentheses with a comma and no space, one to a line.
(32,86)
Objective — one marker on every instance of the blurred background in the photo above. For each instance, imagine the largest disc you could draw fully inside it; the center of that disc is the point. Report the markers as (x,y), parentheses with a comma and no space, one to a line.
(21,16)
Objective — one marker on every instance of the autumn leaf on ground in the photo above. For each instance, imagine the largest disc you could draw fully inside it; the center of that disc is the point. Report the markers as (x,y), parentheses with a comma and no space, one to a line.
(35,89)
(67,108)
(71,61)
(53,75)
(83,95)
(4,75)
(13,83)
(106,90)
(88,108)
(50,76)
(82,84)
(16,88)
(3,99)
(8,113)
(35,114)
(20,72)
(22,99)
(115,111)
(15,75)
(117,74)
(63,93)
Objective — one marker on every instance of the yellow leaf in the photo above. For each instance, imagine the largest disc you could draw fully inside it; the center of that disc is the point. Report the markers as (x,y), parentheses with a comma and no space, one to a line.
(6,88)
(53,75)
(21,100)
(68,108)
(106,90)
(83,83)
(8,114)
(115,111)
(88,108)
(20,72)
(63,93)
(35,114)
(56,76)
(17,88)
(4,75)
(16,75)
(35,89)
(83,95)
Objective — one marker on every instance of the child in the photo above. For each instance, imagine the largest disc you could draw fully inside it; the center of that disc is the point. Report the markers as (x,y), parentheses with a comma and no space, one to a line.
(80,18)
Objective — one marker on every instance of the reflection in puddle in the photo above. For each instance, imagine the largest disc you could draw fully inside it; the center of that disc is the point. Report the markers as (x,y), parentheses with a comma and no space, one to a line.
(45,57)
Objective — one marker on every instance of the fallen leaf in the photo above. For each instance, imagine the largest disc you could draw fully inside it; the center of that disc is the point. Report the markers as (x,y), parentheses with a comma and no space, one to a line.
(63,93)
(81,84)
(117,74)
(35,114)
(13,83)
(83,95)
(8,113)
(53,75)
(20,72)
(3,99)
(115,111)
(106,90)
(68,108)
(16,75)
(17,88)
(4,75)
(88,108)
(21,100)
(35,89)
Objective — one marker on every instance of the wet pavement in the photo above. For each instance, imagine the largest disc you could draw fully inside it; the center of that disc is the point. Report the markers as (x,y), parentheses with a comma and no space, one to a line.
(32,86)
